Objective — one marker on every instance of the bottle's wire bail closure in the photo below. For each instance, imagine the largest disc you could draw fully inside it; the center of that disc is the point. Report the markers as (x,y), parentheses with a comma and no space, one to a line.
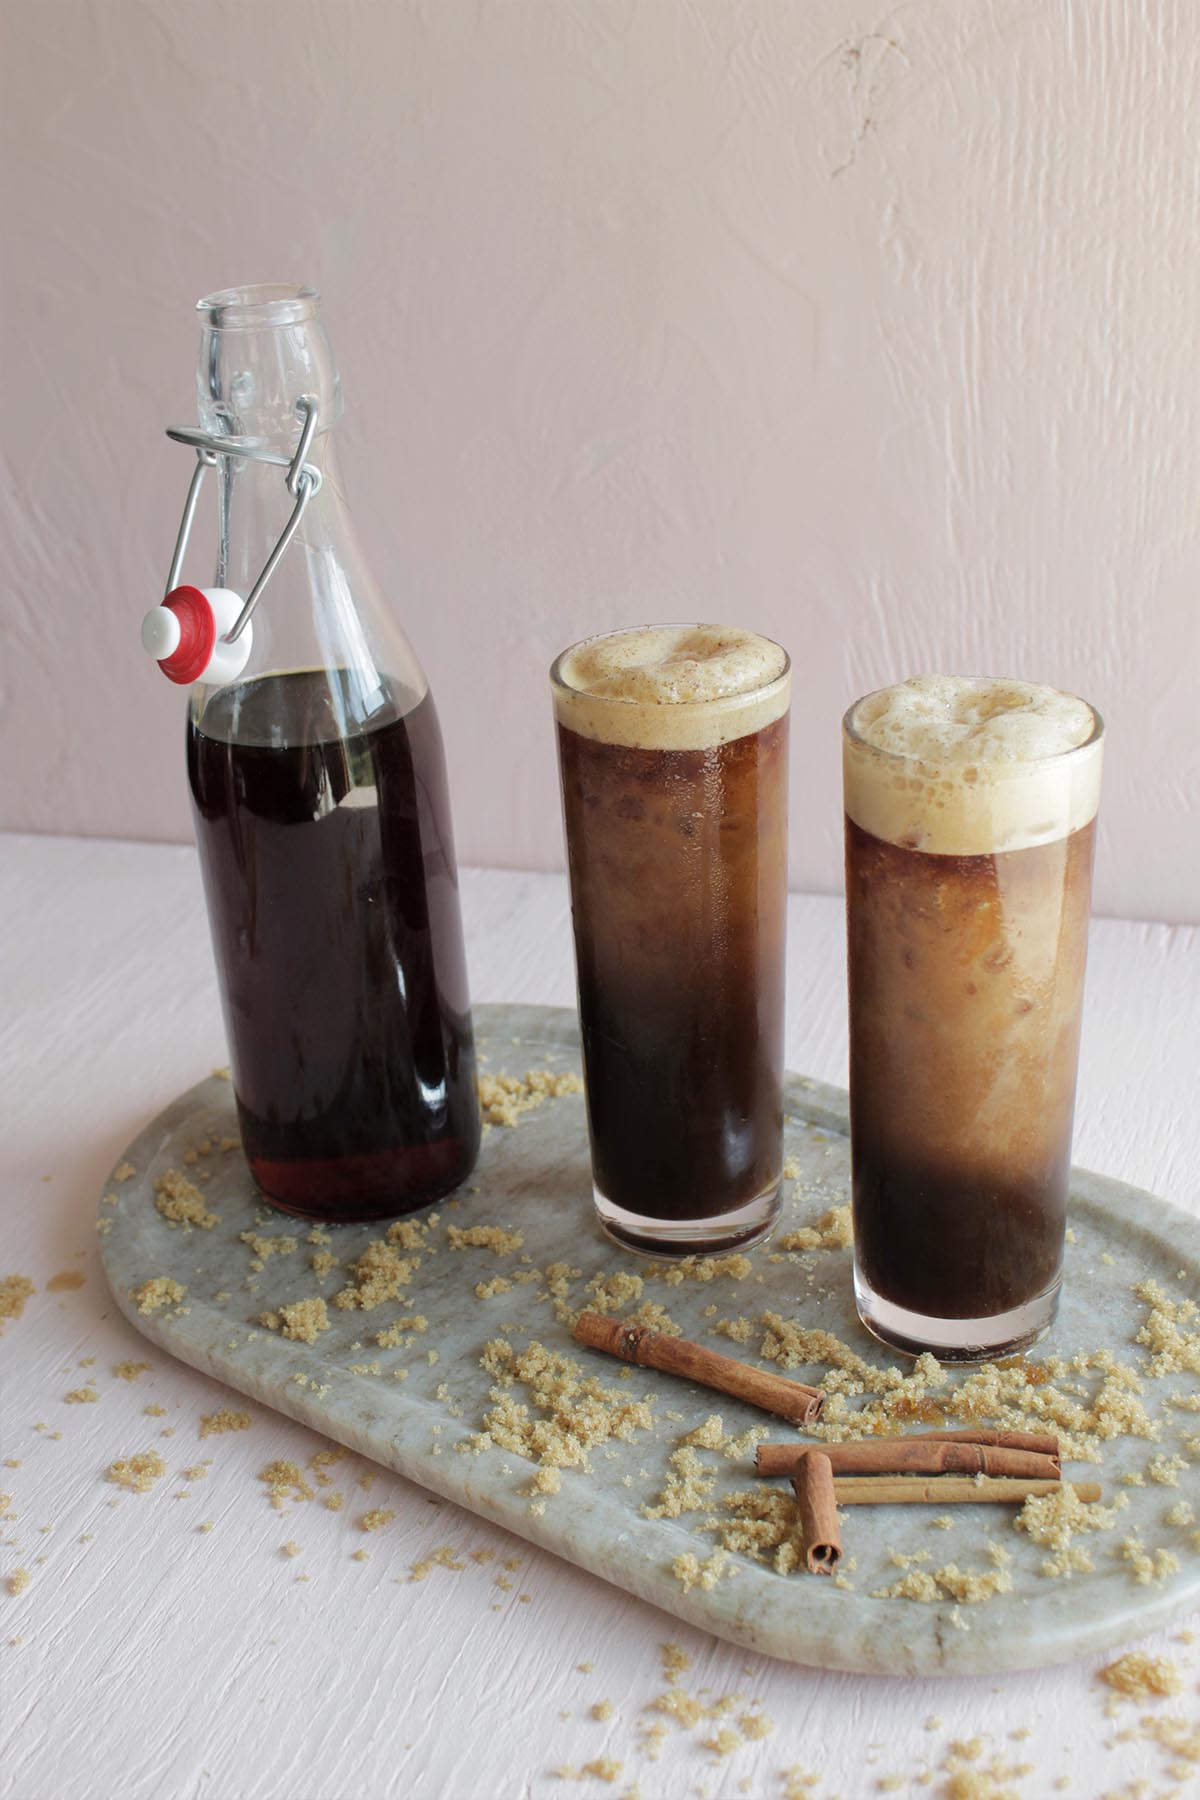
(303,482)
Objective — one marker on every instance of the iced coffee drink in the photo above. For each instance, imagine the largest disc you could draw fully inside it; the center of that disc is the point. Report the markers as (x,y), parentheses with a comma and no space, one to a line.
(673,753)
(970,818)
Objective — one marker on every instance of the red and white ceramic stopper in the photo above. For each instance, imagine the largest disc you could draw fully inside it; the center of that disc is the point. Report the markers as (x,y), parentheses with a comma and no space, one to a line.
(185,635)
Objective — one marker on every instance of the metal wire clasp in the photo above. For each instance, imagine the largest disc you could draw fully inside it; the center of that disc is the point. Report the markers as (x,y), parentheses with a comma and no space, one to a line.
(303,481)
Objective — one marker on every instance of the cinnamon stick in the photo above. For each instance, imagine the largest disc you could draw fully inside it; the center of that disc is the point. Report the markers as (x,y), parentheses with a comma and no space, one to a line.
(817,1505)
(694,1362)
(912,1456)
(1043,1442)
(949,1490)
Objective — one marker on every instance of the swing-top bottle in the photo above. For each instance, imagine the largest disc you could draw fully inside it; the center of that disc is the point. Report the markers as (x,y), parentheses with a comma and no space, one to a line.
(321,812)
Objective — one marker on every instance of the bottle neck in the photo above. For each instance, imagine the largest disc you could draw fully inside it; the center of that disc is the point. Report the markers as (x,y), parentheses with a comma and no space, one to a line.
(255,506)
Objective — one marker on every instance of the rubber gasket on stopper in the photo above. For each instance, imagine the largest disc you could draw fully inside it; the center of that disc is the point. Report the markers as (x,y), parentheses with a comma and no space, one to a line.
(197,635)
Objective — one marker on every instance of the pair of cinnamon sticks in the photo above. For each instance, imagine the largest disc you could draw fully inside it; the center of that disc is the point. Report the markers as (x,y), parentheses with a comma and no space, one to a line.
(980,1466)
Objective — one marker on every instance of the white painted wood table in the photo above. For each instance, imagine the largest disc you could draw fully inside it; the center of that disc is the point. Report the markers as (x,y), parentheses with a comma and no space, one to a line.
(148,1658)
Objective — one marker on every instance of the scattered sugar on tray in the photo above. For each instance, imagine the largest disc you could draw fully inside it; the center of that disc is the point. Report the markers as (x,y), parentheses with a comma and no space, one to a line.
(81,1396)
(181,1203)
(706,1268)
(123,1171)
(379,1274)
(484,1237)
(18,1581)
(158,1292)
(1173,1350)
(503,1098)
(376,1518)
(488,1290)
(610,1292)
(263,1248)
(1149,1566)
(301,1320)
(832,1231)
(400,1333)
(579,1414)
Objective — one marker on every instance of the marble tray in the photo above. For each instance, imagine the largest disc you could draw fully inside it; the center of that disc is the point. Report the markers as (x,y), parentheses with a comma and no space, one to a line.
(535,1178)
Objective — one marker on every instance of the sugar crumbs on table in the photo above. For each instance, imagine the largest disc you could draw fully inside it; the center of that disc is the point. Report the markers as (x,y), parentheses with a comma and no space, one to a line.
(291,1548)
(1140,1677)
(484,1237)
(137,1473)
(226,1419)
(488,1290)
(601,1711)
(18,1581)
(158,1292)
(376,1518)
(81,1396)
(302,1320)
(379,1274)
(1181,1514)
(15,1290)
(181,1203)
(129,1370)
(1165,1470)
(441,1558)
(285,1480)
(323,1263)
(601,1768)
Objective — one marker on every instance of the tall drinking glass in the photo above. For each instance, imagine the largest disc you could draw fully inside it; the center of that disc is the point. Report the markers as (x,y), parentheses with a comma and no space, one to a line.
(970,819)
(673,754)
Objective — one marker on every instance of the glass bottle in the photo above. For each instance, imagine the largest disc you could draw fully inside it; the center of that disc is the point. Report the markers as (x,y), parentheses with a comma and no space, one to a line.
(319,797)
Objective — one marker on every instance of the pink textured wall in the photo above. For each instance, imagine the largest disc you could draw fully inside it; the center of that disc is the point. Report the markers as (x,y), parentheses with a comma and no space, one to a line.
(877,330)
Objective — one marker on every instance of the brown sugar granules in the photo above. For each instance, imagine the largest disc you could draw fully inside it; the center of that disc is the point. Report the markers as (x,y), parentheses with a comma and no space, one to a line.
(441,1558)
(18,1581)
(14,1292)
(609,1293)
(137,1473)
(488,1290)
(601,1768)
(832,1231)
(263,1248)
(484,1237)
(323,1263)
(376,1518)
(216,1424)
(706,1268)
(302,1320)
(690,1572)
(181,1203)
(123,1171)
(394,1335)
(1173,1348)
(503,1098)
(82,1396)
(1054,1520)
(129,1371)
(378,1275)
(158,1292)
(285,1480)
(1138,1677)
(578,1412)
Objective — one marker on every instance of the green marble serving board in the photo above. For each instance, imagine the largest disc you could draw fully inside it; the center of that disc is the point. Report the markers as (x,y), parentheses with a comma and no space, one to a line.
(535,1178)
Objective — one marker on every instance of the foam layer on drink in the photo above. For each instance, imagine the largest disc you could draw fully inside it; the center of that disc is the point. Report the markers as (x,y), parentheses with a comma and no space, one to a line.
(960,766)
(671,687)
